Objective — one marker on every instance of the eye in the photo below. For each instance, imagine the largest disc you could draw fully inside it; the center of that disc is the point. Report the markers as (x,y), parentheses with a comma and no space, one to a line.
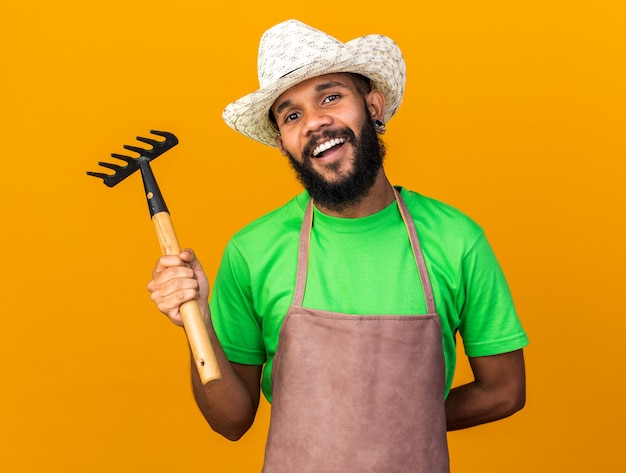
(291,116)
(331,98)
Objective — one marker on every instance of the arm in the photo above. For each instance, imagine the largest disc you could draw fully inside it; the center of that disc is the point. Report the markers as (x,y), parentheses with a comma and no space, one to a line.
(230,405)
(498,390)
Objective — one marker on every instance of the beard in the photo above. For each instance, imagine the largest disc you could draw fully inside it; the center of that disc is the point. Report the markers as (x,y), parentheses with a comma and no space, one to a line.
(348,189)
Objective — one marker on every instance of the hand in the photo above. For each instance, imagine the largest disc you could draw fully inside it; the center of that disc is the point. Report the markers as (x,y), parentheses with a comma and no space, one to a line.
(178,279)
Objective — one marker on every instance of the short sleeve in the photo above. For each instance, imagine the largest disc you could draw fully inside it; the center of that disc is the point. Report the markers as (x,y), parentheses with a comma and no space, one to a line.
(232,312)
(489,323)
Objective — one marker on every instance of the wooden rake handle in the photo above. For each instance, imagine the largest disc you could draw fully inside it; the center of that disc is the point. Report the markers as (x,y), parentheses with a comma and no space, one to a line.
(195,329)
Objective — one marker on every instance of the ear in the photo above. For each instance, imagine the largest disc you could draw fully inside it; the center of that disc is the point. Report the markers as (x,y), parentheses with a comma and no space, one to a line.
(375,101)
(279,144)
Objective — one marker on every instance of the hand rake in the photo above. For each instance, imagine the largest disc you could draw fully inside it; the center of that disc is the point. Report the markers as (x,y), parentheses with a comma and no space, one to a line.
(195,329)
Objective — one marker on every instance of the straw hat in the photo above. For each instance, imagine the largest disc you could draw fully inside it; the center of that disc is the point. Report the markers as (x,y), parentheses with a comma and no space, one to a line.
(292,52)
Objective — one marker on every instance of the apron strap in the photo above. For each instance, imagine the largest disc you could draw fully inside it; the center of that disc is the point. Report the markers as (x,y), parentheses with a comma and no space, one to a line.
(303,254)
(417,253)
(305,238)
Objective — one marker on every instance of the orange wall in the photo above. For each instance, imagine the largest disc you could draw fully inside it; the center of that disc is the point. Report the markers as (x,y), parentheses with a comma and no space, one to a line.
(515,112)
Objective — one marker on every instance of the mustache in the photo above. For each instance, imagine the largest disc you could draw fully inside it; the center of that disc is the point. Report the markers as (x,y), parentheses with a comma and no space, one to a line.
(324,136)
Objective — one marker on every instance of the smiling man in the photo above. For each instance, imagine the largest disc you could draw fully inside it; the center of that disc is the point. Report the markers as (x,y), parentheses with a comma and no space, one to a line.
(343,305)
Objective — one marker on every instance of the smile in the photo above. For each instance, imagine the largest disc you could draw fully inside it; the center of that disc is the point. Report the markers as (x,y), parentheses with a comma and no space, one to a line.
(326,146)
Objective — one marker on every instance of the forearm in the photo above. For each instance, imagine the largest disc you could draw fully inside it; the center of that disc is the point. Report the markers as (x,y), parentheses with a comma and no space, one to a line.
(498,391)
(471,404)
(229,406)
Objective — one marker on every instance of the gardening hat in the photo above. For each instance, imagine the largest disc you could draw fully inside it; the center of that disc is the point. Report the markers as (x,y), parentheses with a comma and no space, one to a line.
(292,52)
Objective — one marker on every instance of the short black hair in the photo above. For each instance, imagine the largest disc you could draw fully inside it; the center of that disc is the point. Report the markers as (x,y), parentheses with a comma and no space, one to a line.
(363,84)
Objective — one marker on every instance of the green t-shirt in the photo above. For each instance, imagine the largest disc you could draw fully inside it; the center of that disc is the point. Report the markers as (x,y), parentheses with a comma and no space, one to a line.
(363,266)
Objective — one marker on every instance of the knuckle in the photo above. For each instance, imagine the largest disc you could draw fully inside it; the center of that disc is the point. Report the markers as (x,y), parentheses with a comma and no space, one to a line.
(182,296)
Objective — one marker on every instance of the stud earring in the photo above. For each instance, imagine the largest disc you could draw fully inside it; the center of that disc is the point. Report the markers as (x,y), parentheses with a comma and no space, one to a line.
(380,127)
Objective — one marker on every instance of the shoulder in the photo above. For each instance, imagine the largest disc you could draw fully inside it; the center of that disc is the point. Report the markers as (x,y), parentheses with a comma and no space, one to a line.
(432,215)
(274,226)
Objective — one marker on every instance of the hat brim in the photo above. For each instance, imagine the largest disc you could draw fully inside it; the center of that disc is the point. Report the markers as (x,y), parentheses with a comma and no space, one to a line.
(376,57)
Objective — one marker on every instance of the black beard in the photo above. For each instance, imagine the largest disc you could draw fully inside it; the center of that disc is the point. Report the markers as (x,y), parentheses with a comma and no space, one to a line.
(336,195)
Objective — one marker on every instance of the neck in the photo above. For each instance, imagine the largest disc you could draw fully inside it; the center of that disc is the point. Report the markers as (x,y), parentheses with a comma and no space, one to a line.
(379,196)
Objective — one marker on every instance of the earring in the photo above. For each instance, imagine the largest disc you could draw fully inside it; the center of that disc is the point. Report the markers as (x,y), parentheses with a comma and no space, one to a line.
(380,127)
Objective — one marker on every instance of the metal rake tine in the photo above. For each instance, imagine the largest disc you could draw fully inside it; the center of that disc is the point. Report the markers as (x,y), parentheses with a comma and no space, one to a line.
(114,167)
(100,175)
(142,152)
(111,180)
(150,141)
(123,157)
(170,138)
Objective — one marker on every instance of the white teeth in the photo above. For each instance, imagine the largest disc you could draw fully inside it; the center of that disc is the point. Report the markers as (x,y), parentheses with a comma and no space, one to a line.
(327,145)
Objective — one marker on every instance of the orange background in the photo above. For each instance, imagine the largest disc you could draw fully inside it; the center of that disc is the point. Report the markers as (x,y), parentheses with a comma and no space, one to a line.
(515,113)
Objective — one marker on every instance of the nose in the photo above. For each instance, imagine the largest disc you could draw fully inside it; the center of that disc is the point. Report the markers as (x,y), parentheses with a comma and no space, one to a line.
(316,120)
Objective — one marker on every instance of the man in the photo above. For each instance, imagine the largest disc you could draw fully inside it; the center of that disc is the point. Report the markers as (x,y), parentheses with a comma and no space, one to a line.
(343,305)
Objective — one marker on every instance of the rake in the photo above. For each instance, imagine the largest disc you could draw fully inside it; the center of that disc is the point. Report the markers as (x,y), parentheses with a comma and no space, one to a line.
(196,332)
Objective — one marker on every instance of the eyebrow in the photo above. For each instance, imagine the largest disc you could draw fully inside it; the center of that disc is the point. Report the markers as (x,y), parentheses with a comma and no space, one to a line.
(318,88)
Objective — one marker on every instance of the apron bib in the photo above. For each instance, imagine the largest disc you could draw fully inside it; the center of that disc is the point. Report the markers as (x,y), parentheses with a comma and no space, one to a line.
(358,393)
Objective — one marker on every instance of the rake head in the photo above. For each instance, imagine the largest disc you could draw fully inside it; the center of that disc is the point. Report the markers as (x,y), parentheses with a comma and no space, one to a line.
(158,147)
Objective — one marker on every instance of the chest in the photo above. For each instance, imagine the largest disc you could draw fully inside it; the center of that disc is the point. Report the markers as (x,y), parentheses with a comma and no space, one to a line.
(364,273)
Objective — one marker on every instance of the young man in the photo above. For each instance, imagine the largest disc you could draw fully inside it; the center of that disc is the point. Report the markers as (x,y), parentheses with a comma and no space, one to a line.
(343,305)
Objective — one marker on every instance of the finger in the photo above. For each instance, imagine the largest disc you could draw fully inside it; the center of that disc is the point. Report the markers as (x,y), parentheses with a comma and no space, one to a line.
(168,298)
(174,285)
(169,279)
(187,255)
(171,303)
(168,261)
(171,269)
